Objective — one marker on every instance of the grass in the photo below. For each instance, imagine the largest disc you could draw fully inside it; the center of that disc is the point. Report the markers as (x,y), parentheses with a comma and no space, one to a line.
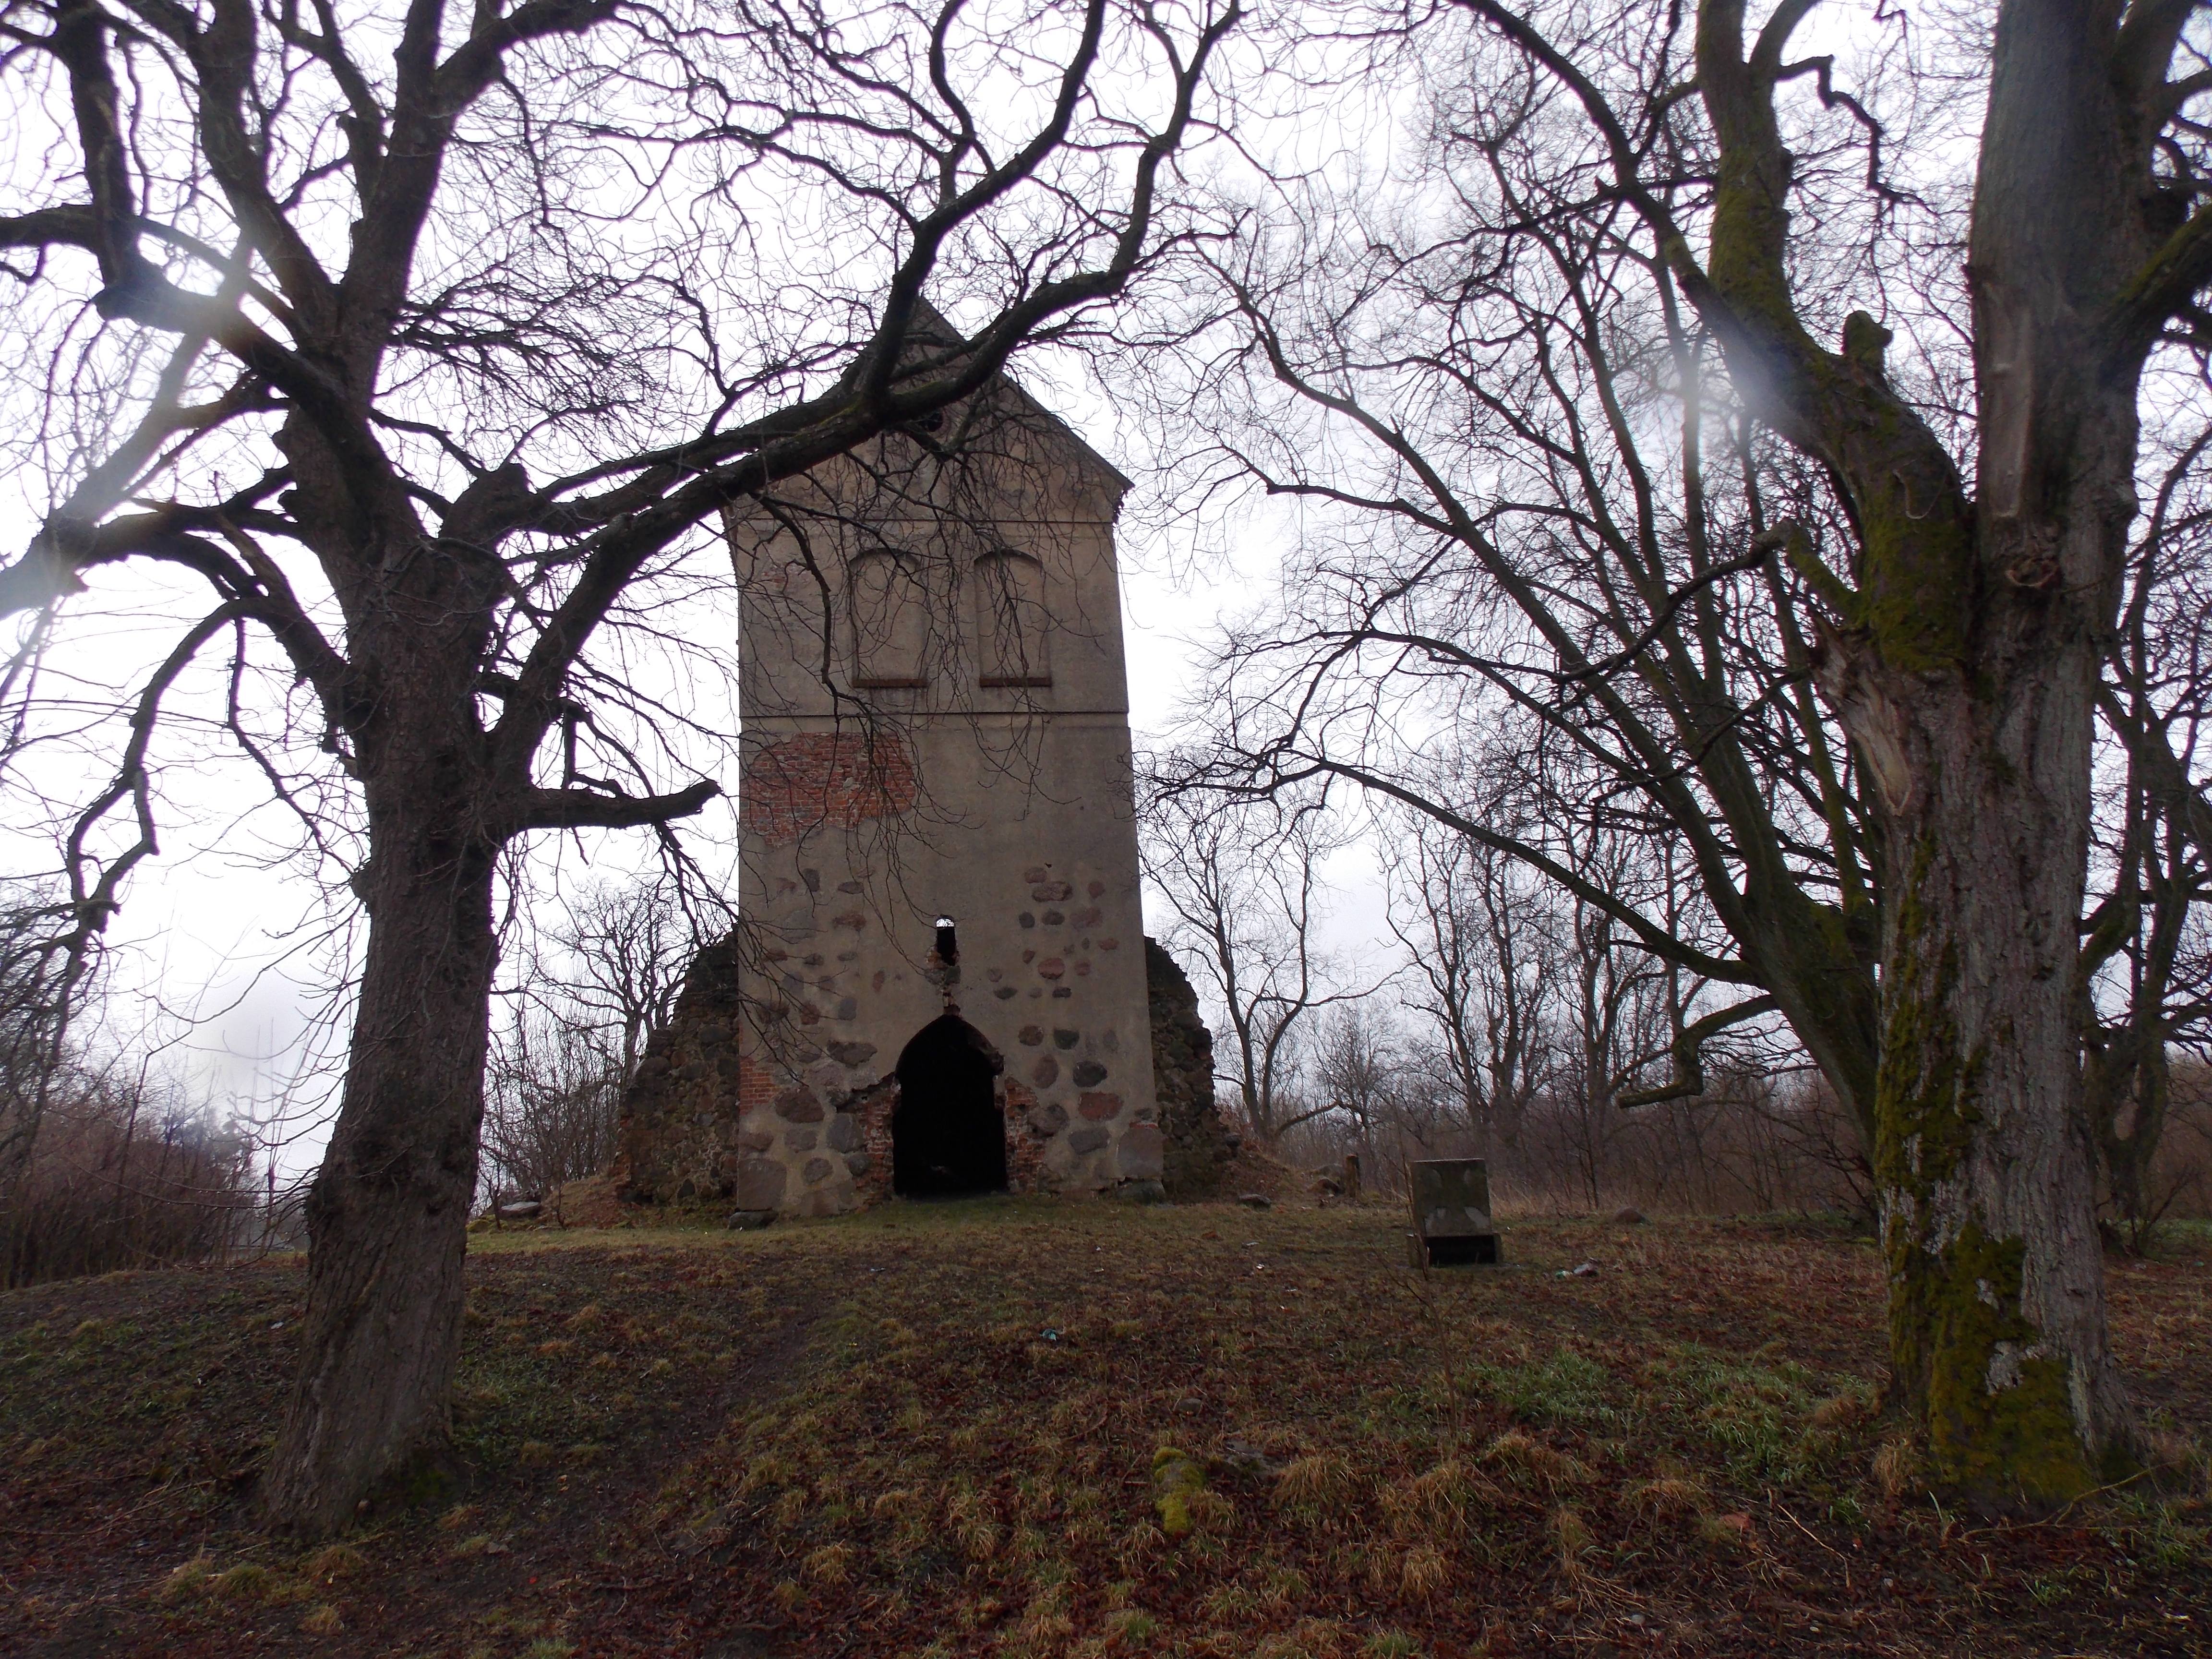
(1766,1416)
(1013,1427)
(1567,1386)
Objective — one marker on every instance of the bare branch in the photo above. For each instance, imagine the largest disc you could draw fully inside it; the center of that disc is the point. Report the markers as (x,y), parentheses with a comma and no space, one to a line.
(1688,1053)
(574,809)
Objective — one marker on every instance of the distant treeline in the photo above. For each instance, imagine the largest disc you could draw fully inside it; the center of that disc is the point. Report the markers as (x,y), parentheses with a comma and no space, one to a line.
(1749,1143)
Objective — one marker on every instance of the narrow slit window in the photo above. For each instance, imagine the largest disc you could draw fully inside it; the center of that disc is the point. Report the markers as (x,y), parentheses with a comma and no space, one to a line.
(890,621)
(1013,625)
(948,942)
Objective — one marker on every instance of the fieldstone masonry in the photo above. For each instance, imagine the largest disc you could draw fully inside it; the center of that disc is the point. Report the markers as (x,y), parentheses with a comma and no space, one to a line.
(683,1141)
(936,730)
(1197,1150)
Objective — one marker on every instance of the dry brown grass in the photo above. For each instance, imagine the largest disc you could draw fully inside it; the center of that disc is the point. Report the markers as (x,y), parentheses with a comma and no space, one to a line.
(1847,1410)
(1312,1489)
(2170,1450)
(249,1581)
(1426,1573)
(186,1579)
(1896,1467)
(911,1467)
(333,1562)
(1525,1461)
(1572,1536)
(1670,1498)
(1440,1505)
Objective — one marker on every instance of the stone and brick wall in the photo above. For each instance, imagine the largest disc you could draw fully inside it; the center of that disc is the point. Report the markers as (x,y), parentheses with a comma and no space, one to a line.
(821,778)
(704,1123)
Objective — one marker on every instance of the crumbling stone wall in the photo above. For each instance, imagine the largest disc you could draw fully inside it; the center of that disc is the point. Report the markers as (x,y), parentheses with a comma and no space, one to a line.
(1198,1148)
(702,1122)
(680,1141)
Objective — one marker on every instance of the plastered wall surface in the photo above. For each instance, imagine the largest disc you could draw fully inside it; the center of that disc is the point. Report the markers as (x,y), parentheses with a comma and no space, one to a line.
(868,810)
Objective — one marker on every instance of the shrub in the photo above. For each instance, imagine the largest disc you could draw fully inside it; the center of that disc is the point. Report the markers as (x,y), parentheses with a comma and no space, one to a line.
(120,1176)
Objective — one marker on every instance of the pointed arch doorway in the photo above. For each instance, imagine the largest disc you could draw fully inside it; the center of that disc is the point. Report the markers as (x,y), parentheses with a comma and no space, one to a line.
(948,1135)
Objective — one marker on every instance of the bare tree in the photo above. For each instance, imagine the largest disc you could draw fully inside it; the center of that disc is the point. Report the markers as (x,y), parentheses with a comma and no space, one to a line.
(1362,1070)
(580,1012)
(323,309)
(1242,890)
(1562,1015)
(1615,1027)
(622,953)
(2145,984)
(553,1101)
(1836,614)
(1478,933)
(38,993)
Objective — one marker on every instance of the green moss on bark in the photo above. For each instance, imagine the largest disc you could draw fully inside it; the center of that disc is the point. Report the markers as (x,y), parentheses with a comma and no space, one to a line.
(1999,1413)
(1997,1406)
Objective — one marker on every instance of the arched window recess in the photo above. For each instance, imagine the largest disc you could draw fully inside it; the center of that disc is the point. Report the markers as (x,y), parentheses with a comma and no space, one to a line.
(1013,624)
(890,621)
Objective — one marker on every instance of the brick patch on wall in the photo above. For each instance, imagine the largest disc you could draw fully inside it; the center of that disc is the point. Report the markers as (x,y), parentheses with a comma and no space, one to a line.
(823,779)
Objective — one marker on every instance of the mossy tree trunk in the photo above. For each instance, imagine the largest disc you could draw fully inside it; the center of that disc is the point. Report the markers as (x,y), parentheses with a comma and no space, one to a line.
(1962,653)
(1985,1171)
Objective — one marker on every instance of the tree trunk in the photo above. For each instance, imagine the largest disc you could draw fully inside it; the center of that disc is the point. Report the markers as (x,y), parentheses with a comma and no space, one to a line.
(2129,1084)
(387,1216)
(1963,660)
(1983,1158)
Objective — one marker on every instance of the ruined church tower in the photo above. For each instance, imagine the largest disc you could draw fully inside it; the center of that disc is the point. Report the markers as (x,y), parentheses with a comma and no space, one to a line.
(937,983)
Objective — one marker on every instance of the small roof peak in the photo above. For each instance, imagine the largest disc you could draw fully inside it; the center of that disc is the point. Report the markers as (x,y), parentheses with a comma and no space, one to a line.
(930,327)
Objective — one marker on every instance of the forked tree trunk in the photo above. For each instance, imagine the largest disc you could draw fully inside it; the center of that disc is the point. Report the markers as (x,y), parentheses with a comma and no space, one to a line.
(387,1216)
(1963,660)
(1980,751)
(1980,754)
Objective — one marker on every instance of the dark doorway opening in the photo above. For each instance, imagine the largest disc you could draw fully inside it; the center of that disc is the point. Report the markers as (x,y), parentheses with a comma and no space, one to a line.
(948,1136)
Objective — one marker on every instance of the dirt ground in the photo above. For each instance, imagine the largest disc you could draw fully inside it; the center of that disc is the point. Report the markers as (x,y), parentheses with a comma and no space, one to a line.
(1022,1427)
